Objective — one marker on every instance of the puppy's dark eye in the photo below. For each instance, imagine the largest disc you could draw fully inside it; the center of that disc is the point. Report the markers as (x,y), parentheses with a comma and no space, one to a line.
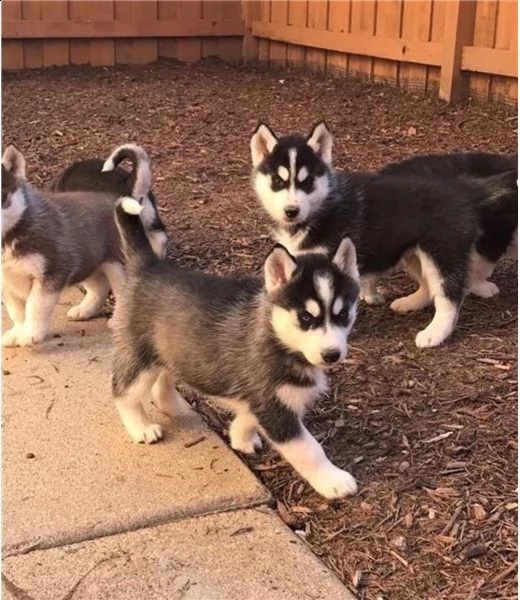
(308,181)
(277,182)
(306,319)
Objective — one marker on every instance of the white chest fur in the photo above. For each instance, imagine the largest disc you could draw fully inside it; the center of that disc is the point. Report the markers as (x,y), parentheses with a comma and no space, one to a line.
(18,271)
(299,398)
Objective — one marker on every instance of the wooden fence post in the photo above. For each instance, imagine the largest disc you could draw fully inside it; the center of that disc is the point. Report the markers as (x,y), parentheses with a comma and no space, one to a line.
(459,28)
(250,13)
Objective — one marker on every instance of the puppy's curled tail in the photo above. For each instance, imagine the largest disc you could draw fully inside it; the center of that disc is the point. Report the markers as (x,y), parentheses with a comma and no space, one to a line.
(136,247)
(141,175)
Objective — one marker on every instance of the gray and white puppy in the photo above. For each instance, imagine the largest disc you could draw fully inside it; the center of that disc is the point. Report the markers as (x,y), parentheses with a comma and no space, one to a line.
(51,241)
(428,224)
(107,176)
(258,347)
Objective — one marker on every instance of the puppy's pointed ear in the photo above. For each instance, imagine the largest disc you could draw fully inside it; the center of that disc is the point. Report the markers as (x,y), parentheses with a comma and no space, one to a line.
(278,268)
(263,142)
(345,258)
(320,140)
(14,161)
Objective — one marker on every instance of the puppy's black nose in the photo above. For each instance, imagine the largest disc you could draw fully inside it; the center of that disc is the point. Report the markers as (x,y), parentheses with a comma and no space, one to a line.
(291,212)
(330,356)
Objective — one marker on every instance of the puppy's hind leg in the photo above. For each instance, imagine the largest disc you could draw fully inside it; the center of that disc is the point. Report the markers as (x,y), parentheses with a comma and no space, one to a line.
(130,387)
(15,307)
(97,288)
(446,284)
(419,299)
(166,398)
(243,431)
(116,276)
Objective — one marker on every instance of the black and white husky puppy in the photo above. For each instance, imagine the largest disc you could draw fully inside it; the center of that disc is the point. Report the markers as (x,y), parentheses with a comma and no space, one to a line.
(258,347)
(50,241)
(498,236)
(107,176)
(430,224)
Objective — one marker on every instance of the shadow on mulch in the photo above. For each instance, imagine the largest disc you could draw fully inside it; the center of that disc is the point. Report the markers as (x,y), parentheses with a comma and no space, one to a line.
(431,435)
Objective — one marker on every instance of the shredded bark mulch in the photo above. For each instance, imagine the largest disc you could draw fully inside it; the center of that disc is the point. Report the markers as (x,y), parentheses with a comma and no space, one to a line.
(430,435)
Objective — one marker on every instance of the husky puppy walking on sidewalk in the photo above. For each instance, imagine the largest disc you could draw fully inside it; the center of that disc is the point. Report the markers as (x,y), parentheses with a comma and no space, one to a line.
(430,224)
(259,348)
(51,241)
(107,176)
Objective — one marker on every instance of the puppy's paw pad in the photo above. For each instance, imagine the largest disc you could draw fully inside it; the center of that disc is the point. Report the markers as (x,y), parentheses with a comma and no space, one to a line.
(402,305)
(485,289)
(429,338)
(334,483)
(28,338)
(148,434)
(246,446)
(78,313)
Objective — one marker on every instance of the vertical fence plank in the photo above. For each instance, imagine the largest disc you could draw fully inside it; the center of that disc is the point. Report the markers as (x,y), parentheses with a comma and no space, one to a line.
(12,50)
(210,10)
(32,49)
(484,35)
(189,50)
(318,20)
(296,15)
(278,50)
(416,26)
(167,9)
(250,13)
(388,25)
(437,35)
(506,27)
(145,50)
(339,19)
(363,18)
(230,48)
(263,45)
(102,52)
(79,10)
(123,47)
(55,52)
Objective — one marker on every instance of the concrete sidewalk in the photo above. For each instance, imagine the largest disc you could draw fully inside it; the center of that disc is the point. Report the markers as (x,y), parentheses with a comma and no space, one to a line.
(71,477)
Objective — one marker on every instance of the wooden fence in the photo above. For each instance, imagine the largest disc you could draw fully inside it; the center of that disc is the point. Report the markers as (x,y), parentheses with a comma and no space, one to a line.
(455,47)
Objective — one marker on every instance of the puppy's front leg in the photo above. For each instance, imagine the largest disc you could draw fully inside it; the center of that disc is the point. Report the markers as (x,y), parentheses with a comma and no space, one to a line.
(15,307)
(39,307)
(295,443)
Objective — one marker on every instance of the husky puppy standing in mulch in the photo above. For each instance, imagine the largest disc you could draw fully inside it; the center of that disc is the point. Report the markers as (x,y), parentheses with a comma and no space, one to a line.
(51,241)
(258,347)
(429,224)
(107,176)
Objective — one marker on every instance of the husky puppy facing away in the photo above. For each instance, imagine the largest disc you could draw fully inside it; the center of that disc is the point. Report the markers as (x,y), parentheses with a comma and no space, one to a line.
(107,176)
(50,241)
(428,224)
(498,221)
(258,347)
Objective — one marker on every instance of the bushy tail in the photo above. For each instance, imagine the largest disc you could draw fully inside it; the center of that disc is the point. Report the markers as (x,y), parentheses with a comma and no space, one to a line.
(136,247)
(141,175)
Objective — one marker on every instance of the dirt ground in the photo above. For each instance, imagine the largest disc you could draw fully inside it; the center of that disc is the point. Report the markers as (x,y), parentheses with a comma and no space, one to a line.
(430,435)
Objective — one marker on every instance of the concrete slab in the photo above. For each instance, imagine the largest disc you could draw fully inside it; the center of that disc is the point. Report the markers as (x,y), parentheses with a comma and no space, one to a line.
(70,472)
(245,554)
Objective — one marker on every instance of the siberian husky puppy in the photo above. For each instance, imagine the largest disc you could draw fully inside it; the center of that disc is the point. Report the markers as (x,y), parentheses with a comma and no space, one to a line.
(430,224)
(51,241)
(260,348)
(498,222)
(106,176)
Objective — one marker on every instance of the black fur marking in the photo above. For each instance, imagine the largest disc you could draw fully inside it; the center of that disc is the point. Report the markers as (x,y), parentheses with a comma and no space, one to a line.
(280,423)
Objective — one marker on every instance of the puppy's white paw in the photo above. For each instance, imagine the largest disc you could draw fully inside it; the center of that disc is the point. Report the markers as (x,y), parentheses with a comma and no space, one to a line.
(373,298)
(147,434)
(484,289)
(429,337)
(10,337)
(79,313)
(331,482)
(29,338)
(246,445)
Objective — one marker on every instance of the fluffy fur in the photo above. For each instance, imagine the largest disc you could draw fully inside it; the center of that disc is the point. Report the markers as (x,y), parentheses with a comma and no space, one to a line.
(107,176)
(50,241)
(255,347)
(428,224)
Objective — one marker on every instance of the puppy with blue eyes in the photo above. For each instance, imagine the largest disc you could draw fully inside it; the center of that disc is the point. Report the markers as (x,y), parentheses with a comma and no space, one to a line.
(260,348)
